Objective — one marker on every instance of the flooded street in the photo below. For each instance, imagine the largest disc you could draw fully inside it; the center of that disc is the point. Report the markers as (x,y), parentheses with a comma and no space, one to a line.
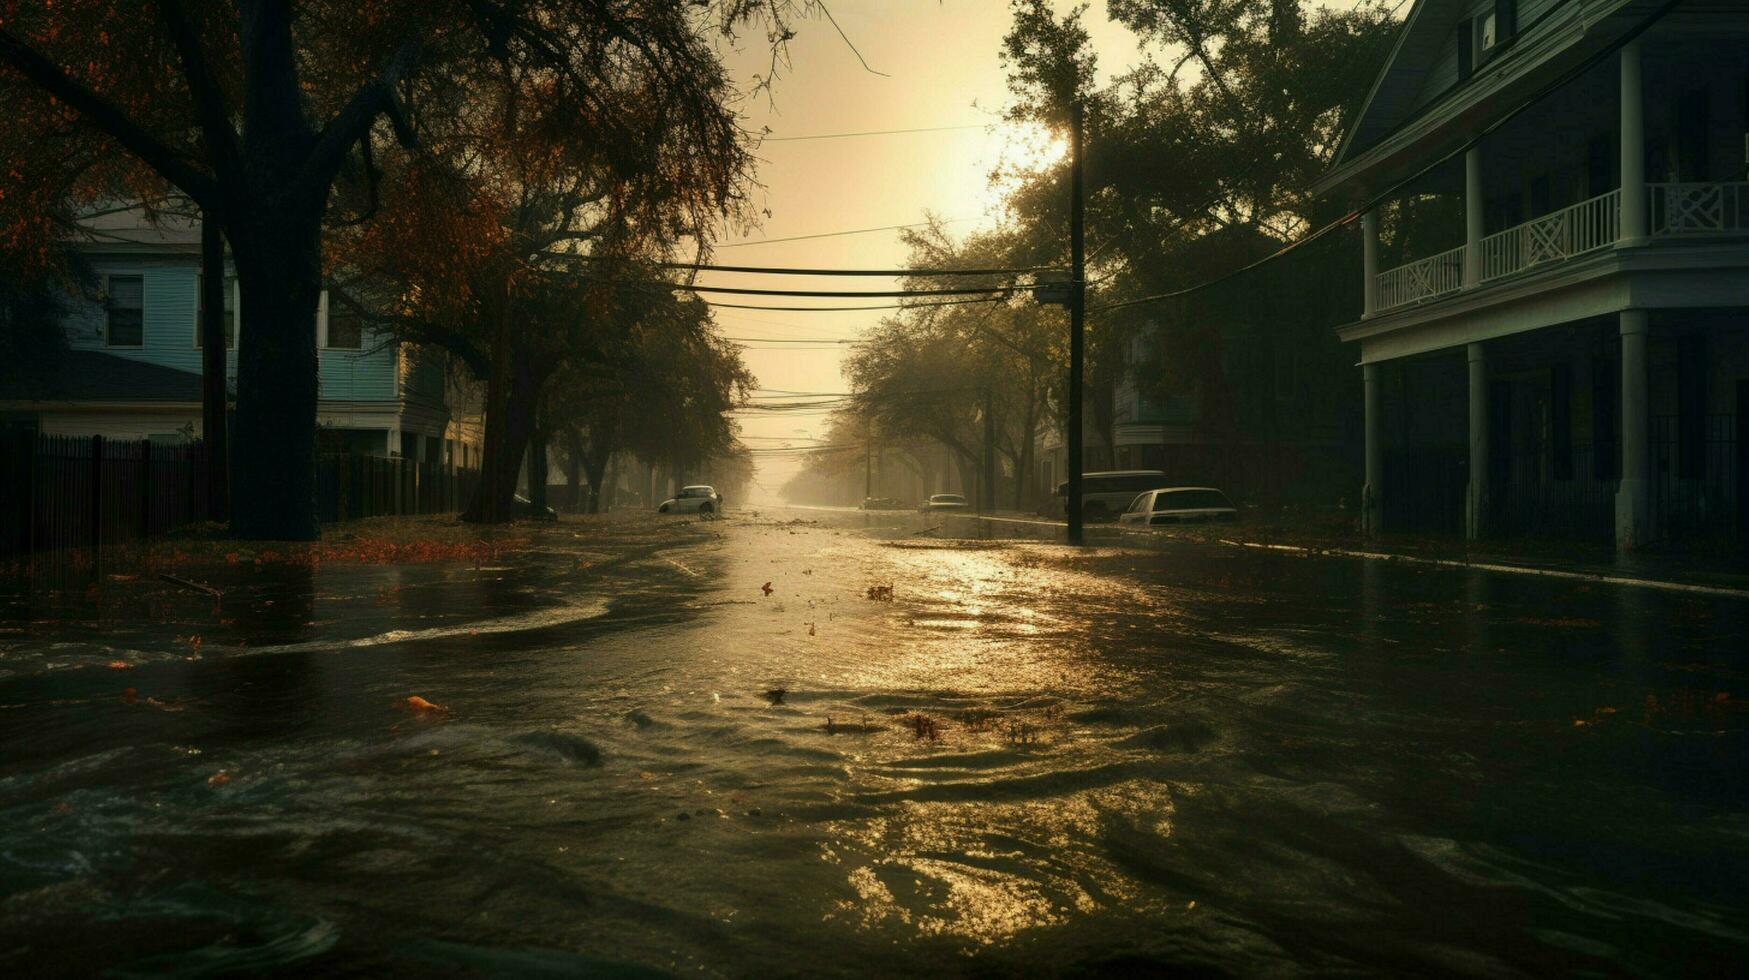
(908,754)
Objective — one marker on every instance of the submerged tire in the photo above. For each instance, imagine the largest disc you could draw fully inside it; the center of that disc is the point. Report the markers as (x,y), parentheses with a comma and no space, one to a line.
(662,509)
(706,509)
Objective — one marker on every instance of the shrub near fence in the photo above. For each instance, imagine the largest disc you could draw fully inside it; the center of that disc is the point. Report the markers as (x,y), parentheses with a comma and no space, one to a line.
(69,492)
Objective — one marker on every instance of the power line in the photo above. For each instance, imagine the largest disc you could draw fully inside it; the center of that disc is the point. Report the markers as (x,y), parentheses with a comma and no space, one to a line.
(842,293)
(836,234)
(871,132)
(852,309)
(786,271)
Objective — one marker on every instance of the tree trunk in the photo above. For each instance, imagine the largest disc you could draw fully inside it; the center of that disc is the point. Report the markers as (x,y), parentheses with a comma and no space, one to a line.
(278,256)
(509,426)
(595,465)
(214,396)
(537,469)
(573,468)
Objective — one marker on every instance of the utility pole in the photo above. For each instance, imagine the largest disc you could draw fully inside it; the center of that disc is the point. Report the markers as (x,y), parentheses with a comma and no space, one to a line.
(867,458)
(1077,315)
(214,335)
(987,478)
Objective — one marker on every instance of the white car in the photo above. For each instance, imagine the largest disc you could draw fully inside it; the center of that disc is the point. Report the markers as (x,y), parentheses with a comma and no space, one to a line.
(693,500)
(1179,505)
(943,501)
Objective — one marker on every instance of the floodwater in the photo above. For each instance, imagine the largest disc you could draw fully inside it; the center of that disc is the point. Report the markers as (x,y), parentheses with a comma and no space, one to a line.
(1028,759)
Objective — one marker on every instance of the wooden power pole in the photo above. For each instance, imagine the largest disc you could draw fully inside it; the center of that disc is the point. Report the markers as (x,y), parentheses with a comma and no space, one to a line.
(215,331)
(1077,326)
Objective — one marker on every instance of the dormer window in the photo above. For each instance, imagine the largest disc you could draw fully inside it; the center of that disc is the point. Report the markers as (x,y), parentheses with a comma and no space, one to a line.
(1485,33)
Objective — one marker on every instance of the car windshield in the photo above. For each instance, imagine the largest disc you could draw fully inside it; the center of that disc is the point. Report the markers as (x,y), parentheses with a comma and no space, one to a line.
(1140,503)
(696,492)
(948,498)
(1191,500)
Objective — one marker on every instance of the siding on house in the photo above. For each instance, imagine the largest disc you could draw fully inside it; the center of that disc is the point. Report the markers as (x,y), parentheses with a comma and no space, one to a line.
(170,291)
(1442,72)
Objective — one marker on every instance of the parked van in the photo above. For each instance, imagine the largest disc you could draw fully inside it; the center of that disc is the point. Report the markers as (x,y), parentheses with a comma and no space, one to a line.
(1106,494)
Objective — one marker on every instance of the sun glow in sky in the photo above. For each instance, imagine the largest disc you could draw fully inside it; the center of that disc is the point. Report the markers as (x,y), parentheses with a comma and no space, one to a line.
(939,67)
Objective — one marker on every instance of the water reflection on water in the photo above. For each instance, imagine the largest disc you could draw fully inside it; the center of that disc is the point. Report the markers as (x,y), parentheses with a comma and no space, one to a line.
(1206,758)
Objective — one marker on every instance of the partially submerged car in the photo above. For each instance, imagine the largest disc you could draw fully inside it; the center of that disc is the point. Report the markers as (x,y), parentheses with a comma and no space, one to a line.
(1104,494)
(943,501)
(1179,505)
(881,503)
(693,500)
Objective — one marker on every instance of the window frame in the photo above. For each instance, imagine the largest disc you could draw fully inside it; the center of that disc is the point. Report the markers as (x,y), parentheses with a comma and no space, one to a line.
(322,329)
(108,309)
(236,310)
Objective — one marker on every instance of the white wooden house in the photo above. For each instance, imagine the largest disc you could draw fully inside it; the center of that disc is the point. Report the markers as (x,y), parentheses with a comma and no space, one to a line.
(1556,334)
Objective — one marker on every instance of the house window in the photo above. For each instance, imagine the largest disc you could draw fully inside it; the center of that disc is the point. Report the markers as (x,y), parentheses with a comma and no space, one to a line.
(1486,33)
(340,326)
(124,311)
(230,322)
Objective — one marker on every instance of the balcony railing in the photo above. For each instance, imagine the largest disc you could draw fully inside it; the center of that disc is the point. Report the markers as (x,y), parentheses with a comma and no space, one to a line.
(1560,235)
(1699,209)
(1418,281)
(1677,210)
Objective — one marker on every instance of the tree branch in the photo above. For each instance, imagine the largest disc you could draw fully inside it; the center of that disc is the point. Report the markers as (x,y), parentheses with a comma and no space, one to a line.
(203,88)
(353,122)
(104,115)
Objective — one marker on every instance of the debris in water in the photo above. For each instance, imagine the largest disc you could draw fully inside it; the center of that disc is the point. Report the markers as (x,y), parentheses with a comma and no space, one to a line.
(130,695)
(766,588)
(922,725)
(880,593)
(418,703)
(776,695)
(120,665)
(810,629)
(219,778)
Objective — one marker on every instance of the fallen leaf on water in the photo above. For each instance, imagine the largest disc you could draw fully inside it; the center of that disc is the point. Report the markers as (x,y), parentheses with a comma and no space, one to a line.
(418,703)
(1580,723)
(219,778)
(766,588)
(120,665)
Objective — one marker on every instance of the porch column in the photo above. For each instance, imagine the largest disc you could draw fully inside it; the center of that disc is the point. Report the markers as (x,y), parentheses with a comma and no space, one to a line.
(1473,216)
(1369,227)
(1372,495)
(1476,499)
(1634,209)
(1633,501)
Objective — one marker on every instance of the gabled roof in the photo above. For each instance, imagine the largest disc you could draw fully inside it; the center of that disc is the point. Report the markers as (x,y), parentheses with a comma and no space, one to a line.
(1395,92)
(93,376)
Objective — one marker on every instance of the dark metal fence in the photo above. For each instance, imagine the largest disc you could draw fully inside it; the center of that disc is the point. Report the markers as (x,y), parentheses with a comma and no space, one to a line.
(1696,476)
(1541,499)
(1424,489)
(350,487)
(76,492)
(66,492)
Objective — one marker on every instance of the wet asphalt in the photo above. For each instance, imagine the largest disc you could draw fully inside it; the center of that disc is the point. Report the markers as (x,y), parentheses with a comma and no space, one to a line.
(812,743)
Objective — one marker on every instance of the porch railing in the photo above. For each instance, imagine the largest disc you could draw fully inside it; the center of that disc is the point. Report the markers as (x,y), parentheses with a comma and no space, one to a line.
(1699,208)
(1553,237)
(1677,210)
(1430,277)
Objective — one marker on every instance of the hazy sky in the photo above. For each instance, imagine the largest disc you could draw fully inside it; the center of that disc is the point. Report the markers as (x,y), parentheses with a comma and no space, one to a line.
(941,68)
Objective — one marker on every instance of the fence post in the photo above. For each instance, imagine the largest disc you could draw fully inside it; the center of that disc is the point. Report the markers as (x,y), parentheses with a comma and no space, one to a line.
(145,489)
(96,501)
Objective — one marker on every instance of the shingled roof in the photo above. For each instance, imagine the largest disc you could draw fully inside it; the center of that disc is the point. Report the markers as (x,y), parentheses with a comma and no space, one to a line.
(93,376)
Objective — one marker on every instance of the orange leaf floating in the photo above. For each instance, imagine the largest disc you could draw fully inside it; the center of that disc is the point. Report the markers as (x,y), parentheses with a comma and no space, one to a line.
(120,665)
(219,778)
(418,703)
(766,588)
